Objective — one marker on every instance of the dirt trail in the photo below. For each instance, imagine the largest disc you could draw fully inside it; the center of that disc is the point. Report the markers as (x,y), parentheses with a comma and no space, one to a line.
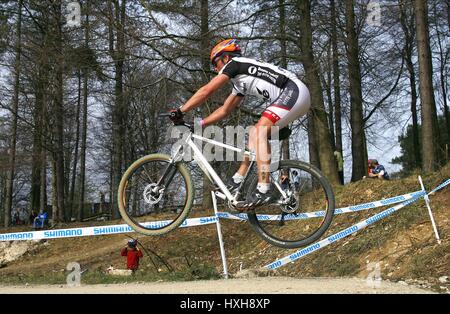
(264,285)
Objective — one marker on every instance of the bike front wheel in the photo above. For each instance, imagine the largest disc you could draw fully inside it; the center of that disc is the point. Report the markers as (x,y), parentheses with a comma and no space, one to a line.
(155,195)
(301,216)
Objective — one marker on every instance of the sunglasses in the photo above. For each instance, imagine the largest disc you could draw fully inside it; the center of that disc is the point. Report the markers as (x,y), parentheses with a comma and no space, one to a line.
(216,61)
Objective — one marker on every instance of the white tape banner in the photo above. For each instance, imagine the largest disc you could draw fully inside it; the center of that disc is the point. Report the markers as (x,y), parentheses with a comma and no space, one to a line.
(190,222)
(100,230)
(337,211)
(348,231)
(340,235)
(440,186)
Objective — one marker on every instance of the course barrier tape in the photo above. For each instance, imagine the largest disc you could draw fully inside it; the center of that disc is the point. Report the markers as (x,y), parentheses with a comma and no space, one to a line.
(99,230)
(346,232)
(337,211)
(190,222)
(339,235)
(440,186)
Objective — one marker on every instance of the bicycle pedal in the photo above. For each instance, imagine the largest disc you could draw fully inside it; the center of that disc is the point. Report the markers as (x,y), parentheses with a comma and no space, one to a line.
(240,206)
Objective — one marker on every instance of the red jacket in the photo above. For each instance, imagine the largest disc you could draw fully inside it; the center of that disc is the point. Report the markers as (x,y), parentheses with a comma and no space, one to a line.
(133,257)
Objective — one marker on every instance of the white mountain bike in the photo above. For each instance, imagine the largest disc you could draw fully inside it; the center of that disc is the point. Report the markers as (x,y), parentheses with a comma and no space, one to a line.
(156,195)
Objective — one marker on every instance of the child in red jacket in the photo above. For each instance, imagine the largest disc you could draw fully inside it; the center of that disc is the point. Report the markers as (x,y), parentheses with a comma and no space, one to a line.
(133,255)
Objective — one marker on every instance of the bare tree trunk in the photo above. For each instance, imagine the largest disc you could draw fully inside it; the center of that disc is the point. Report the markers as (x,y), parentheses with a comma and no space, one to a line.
(326,83)
(111,181)
(85,74)
(55,209)
(204,48)
(37,149)
(15,106)
(67,163)
(326,157)
(336,79)
(59,112)
(75,158)
(2,195)
(442,72)
(43,190)
(448,14)
(430,139)
(407,23)
(356,115)
(285,154)
(312,141)
(43,158)
(119,111)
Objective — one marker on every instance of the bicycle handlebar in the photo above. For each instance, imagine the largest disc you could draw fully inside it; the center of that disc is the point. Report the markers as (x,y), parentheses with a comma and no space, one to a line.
(188,125)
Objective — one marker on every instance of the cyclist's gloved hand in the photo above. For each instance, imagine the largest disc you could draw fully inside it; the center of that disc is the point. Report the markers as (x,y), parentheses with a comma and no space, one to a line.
(176,116)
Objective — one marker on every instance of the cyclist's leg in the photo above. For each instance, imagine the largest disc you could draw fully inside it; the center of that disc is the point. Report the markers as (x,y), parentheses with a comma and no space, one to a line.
(258,141)
(260,144)
(244,166)
(293,103)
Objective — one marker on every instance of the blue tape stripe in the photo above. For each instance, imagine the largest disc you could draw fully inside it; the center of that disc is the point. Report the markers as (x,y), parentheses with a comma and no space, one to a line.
(339,235)
(337,211)
(115,229)
(99,230)
(440,186)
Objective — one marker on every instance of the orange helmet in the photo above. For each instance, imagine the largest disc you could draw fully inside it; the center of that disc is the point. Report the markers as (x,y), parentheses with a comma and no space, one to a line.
(228,45)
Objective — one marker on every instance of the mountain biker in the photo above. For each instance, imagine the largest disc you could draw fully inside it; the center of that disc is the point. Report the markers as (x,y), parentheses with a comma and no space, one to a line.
(288,100)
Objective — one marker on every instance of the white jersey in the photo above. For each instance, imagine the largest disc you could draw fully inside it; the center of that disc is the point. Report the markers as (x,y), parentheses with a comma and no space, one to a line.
(260,79)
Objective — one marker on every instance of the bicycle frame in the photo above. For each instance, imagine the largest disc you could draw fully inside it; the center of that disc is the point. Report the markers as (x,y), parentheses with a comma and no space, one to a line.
(209,170)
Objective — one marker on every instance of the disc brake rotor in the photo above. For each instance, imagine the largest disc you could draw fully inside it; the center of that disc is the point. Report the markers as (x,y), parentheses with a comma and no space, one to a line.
(153,194)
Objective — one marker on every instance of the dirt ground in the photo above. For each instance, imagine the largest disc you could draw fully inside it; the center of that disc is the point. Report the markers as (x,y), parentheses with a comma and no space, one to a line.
(267,285)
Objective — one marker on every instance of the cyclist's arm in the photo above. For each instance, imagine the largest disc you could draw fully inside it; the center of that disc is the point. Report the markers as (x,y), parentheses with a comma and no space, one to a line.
(230,103)
(204,92)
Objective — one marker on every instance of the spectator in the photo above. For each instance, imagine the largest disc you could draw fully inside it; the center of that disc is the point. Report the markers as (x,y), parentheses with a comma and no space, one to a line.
(22,216)
(15,217)
(32,217)
(340,165)
(41,220)
(285,182)
(296,179)
(369,170)
(133,255)
(377,171)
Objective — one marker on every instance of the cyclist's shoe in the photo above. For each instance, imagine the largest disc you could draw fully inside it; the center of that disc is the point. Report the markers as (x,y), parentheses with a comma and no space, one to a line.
(258,199)
(231,186)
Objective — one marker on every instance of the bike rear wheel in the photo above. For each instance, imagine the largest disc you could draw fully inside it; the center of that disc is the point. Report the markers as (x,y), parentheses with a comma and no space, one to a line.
(306,213)
(155,195)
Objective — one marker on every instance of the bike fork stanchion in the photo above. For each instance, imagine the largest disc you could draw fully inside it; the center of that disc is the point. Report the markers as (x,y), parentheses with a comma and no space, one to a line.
(219,233)
(427,202)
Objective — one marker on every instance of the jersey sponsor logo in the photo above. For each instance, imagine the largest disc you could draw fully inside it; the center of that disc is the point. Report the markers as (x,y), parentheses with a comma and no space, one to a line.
(244,87)
(263,93)
(265,73)
(268,75)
